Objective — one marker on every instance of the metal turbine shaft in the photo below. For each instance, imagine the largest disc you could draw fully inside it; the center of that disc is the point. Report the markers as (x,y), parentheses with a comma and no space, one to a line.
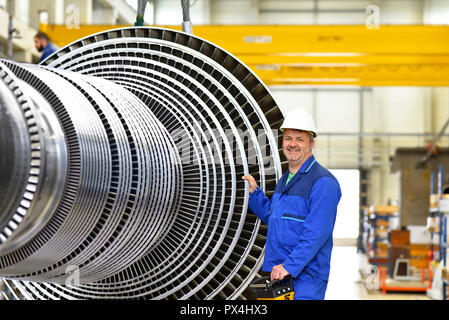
(121,161)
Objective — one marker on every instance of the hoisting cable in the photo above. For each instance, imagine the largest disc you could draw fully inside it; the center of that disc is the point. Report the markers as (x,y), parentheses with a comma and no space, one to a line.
(141,5)
(186,23)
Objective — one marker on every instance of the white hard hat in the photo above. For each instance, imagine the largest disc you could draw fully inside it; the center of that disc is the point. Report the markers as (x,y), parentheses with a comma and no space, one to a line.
(299,119)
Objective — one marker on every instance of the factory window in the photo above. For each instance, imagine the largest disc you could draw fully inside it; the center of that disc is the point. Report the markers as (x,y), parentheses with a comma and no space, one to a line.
(346,228)
(43,17)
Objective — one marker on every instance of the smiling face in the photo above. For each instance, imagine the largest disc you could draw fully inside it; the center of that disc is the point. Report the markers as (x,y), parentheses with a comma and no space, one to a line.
(297,146)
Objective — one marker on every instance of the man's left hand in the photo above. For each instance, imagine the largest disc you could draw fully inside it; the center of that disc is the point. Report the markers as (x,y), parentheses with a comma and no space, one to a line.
(278,272)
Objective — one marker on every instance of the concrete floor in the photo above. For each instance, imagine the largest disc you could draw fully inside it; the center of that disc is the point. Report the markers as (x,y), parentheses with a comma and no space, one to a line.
(346,283)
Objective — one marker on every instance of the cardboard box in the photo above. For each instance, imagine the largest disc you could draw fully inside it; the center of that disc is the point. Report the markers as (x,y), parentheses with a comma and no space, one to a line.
(419,248)
(433,224)
(420,254)
(419,263)
(445,273)
(385,209)
(435,200)
(382,223)
(382,245)
(381,250)
(399,237)
(382,233)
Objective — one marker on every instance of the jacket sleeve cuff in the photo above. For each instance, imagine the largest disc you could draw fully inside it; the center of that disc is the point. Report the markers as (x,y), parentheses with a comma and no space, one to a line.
(252,197)
(293,269)
(255,191)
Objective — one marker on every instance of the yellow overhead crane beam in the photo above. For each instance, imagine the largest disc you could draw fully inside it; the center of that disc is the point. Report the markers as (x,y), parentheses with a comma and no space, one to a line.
(399,55)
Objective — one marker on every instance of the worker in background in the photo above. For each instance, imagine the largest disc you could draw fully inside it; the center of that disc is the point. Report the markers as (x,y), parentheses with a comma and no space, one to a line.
(42,44)
(301,212)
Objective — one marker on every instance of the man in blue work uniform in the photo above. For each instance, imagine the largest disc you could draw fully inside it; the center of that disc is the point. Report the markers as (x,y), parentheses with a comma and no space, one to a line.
(42,44)
(300,214)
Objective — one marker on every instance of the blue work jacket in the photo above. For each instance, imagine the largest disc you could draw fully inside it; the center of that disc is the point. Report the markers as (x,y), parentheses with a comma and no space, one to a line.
(300,217)
(48,50)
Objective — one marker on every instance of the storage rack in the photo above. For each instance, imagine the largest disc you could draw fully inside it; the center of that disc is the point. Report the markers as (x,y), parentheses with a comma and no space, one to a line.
(433,212)
(365,226)
(378,214)
(442,212)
